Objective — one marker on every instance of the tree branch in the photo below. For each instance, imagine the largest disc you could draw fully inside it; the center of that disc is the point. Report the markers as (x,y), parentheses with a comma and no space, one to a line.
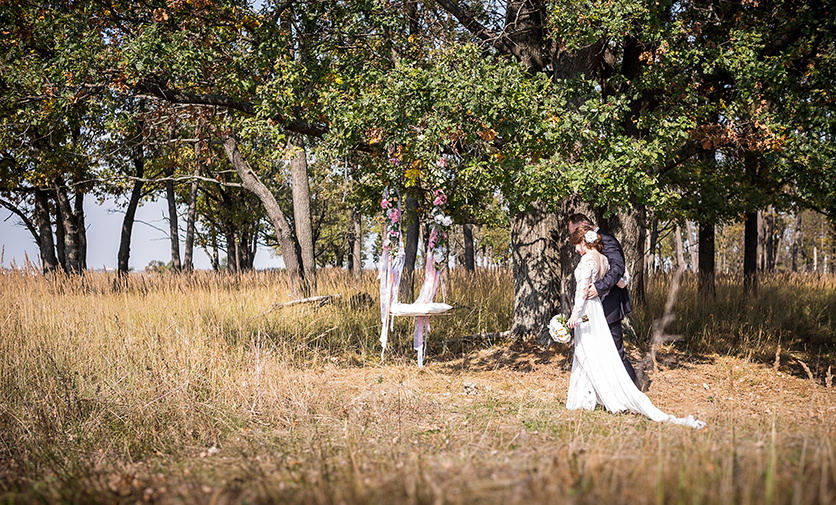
(162,179)
(686,152)
(154,85)
(497,41)
(13,208)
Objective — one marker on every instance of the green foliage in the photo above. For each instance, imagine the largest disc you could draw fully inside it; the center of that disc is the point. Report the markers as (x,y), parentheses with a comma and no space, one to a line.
(742,91)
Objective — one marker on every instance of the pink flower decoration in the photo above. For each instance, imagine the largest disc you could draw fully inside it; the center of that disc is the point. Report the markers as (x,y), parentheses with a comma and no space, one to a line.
(394,161)
(433,238)
(441,163)
(384,203)
(395,215)
(440,198)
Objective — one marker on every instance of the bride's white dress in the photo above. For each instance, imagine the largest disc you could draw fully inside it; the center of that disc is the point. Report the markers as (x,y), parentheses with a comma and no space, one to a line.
(598,375)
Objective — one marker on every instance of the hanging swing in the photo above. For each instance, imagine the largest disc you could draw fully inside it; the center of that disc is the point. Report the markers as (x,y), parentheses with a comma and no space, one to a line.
(391,268)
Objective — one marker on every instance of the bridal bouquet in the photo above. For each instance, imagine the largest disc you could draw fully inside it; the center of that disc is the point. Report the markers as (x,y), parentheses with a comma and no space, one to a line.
(558,329)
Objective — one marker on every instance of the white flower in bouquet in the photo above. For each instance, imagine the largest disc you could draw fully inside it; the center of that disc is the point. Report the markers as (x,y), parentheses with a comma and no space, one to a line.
(558,329)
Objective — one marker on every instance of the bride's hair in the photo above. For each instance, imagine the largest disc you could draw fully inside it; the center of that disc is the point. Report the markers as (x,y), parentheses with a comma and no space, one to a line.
(579,235)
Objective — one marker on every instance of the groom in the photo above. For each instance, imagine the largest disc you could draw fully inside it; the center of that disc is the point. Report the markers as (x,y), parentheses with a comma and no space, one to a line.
(615,299)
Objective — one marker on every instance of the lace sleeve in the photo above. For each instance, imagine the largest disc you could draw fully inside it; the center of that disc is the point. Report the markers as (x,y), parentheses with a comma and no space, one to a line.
(583,277)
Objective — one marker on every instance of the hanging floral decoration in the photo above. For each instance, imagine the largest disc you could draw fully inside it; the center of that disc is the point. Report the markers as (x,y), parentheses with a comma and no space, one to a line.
(392,216)
(392,260)
(437,245)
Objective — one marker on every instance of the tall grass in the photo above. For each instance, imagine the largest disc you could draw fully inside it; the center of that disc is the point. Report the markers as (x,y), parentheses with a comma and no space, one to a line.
(791,315)
(204,388)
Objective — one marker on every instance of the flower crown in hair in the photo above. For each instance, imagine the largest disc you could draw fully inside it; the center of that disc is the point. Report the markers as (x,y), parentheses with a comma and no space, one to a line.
(590,237)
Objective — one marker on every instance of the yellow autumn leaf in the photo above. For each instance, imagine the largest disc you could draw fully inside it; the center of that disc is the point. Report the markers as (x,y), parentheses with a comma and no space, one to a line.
(412,175)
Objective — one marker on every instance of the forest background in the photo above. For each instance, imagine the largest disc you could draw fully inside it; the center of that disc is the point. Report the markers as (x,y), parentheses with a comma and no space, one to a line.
(281,124)
(700,133)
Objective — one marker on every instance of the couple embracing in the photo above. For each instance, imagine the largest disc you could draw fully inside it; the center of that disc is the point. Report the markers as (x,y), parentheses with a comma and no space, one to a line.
(601,372)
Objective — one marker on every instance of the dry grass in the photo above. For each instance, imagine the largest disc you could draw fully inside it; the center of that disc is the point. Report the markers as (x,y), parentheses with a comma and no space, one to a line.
(199,390)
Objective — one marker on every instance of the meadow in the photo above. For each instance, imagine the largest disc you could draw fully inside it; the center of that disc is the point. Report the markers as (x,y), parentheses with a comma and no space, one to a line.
(206,389)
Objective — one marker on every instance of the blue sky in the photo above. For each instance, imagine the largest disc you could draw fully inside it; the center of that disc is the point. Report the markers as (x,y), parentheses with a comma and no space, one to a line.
(104,224)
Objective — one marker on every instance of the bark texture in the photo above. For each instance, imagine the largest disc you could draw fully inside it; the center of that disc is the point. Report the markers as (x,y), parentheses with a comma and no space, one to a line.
(173,232)
(750,254)
(130,213)
(537,278)
(188,251)
(706,269)
(630,228)
(252,183)
(71,246)
(302,214)
(46,245)
(469,263)
(355,245)
(81,230)
(406,291)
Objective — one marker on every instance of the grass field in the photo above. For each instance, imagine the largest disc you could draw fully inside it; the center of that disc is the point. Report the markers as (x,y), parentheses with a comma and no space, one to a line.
(200,389)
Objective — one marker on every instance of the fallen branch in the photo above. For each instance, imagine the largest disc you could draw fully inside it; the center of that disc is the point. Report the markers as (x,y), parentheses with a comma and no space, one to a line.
(321,299)
(481,336)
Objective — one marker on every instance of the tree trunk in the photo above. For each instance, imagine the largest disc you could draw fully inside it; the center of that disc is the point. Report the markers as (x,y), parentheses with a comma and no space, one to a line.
(525,27)
(705,270)
(651,250)
(216,262)
(770,240)
(130,213)
(761,241)
(233,256)
(60,234)
(796,241)
(81,229)
(71,251)
(677,242)
(302,213)
(693,248)
(252,241)
(188,252)
(406,292)
(630,228)
(750,254)
(173,232)
(245,248)
(355,245)
(46,244)
(537,274)
(469,260)
(251,183)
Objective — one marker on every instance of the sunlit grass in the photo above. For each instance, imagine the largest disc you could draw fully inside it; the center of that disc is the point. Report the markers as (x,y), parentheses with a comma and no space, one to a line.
(205,388)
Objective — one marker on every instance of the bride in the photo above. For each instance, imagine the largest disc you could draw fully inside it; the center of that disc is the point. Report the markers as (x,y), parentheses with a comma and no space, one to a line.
(598,375)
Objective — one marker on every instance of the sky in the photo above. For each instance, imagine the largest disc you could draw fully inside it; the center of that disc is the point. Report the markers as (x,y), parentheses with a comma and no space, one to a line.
(104,224)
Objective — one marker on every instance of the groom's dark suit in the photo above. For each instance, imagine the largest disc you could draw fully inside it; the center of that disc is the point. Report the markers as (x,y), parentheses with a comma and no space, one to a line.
(616,300)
